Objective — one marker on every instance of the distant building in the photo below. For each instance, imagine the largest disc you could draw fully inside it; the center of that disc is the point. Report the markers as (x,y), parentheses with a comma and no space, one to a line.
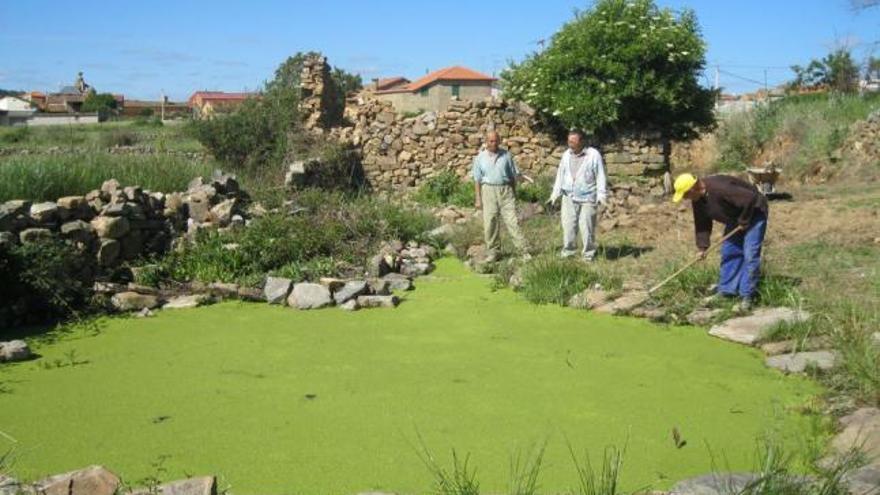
(434,91)
(387,83)
(36,99)
(70,98)
(15,111)
(154,108)
(205,104)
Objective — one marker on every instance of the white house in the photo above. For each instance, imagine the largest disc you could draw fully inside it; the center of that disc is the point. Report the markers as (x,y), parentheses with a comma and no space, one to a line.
(15,111)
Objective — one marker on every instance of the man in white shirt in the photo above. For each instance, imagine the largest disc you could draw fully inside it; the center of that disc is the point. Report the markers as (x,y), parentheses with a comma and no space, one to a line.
(581,182)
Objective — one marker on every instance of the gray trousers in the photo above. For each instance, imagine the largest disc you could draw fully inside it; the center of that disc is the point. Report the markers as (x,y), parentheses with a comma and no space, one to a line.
(578,217)
(499,205)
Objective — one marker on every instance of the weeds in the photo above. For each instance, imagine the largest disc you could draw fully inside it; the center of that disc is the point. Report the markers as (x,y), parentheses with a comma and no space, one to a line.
(460,480)
(604,482)
(525,469)
(445,188)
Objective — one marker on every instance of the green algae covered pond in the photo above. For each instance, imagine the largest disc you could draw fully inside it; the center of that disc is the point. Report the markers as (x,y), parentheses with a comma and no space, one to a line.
(273,400)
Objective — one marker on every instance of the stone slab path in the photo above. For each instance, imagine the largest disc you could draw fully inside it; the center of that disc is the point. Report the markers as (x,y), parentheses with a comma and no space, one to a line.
(754,327)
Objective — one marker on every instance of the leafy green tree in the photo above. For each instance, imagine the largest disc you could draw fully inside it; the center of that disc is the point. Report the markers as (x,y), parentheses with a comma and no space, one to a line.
(104,104)
(837,71)
(620,65)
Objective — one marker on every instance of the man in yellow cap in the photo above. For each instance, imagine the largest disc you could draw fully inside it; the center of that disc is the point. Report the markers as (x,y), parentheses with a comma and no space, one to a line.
(732,202)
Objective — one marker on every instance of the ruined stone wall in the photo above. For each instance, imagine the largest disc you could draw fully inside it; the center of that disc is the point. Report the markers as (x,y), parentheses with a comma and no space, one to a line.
(399,151)
(114,224)
(320,102)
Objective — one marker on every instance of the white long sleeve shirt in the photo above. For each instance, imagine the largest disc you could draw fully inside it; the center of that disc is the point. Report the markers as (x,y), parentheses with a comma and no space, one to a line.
(581,176)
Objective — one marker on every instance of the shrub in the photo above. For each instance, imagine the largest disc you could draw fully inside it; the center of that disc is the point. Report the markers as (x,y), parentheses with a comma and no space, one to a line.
(445,188)
(52,279)
(619,65)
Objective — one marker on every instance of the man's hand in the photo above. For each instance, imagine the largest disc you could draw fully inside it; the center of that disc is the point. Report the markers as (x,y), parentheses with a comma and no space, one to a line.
(552,201)
(701,254)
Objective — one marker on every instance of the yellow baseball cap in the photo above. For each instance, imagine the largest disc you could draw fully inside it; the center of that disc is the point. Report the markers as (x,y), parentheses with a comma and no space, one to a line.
(683,184)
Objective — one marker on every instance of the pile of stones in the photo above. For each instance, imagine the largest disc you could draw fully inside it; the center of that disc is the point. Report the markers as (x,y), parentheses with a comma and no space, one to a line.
(391,269)
(115,223)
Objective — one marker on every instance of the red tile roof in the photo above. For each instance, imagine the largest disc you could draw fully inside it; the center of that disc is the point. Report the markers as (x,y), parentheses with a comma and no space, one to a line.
(390,82)
(454,73)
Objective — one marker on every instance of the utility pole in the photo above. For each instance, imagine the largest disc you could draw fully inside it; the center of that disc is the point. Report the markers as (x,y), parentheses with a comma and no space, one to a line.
(163,106)
(766,90)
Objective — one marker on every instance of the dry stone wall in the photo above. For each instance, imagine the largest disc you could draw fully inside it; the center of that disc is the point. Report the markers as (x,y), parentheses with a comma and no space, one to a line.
(400,151)
(114,224)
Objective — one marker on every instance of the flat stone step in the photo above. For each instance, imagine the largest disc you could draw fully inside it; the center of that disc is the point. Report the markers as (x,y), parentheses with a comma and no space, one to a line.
(623,304)
(754,327)
(797,362)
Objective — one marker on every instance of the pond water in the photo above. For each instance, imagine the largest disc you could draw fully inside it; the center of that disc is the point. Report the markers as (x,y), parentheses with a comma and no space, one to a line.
(274,400)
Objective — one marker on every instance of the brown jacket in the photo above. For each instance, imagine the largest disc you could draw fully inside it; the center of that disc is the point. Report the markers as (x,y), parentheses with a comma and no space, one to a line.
(728,200)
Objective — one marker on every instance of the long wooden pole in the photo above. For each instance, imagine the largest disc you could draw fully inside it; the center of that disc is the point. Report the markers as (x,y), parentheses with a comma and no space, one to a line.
(695,260)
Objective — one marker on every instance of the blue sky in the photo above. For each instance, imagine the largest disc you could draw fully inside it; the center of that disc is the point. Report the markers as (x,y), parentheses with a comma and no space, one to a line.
(142,48)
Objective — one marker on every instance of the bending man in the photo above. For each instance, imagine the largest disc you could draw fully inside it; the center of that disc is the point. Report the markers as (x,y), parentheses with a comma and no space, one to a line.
(733,202)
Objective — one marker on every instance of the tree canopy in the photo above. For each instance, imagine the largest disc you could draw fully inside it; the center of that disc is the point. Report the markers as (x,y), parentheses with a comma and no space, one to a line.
(621,65)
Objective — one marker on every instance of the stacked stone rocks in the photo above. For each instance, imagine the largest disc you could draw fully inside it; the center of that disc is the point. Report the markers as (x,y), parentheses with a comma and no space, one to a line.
(320,103)
(392,269)
(115,223)
(400,151)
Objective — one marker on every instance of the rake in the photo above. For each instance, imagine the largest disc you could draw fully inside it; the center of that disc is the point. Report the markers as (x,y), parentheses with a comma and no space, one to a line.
(695,260)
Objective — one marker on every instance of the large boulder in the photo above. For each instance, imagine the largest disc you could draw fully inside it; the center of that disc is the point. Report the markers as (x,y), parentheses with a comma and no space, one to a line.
(110,227)
(309,296)
(751,329)
(94,480)
(108,252)
(277,289)
(349,291)
(14,350)
(623,304)
(133,301)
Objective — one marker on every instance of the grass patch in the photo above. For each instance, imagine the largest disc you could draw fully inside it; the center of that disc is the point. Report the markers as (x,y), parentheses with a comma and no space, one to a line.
(445,188)
(553,280)
(814,126)
(46,178)
(331,233)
